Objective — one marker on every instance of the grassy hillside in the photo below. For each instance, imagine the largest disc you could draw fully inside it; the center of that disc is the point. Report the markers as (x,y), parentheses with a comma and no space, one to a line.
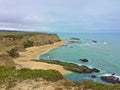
(13,77)
(11,73)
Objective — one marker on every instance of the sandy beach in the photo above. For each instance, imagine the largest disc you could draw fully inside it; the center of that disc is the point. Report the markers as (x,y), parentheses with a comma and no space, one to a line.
(32,53)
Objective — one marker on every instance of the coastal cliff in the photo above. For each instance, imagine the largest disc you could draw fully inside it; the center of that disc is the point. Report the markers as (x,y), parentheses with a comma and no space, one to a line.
(18,39)
(13,42)
(38,75)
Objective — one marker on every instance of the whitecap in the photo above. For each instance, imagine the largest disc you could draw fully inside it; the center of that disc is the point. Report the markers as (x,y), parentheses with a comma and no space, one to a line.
(105,43)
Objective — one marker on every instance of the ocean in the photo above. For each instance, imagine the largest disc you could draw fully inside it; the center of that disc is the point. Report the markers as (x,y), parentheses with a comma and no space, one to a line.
(103,55)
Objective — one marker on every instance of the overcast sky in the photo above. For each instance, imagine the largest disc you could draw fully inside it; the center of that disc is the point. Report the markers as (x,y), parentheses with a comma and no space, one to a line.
(60,15)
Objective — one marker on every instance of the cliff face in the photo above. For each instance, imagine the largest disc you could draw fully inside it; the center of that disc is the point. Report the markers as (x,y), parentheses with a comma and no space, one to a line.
(20,41)
(42,39)
(10,41)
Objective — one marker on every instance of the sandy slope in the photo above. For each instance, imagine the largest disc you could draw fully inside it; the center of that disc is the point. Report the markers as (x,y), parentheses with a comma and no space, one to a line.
(32,53)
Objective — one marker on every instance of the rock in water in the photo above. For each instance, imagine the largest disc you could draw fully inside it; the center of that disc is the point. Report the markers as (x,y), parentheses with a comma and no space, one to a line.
(93,76)
(74,38)
(113,74)
(94,41)
(111,79)
(84,60)
(95,70)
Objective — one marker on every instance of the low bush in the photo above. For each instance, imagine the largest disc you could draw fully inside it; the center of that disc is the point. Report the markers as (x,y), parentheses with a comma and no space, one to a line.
(28,44)
(13,53)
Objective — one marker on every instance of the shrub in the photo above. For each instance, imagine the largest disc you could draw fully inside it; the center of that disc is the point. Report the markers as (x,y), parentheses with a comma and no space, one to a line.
(13,53)
(28,44)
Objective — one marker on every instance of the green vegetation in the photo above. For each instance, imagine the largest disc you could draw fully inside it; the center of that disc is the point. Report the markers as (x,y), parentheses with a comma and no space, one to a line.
(50,75)
(13,53)
(11,73)
(28,44)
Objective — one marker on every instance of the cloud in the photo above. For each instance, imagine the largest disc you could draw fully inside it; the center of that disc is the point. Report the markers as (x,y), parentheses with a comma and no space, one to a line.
(63,14)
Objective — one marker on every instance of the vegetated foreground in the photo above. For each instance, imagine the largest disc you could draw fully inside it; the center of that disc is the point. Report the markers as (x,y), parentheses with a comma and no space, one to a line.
(24,79)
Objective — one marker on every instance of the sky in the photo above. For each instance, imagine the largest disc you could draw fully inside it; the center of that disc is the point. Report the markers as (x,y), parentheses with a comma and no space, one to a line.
(60,15)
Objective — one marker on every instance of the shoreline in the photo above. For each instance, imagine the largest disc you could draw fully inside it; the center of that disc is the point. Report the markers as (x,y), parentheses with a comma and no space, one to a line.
(47,51)
(32,53)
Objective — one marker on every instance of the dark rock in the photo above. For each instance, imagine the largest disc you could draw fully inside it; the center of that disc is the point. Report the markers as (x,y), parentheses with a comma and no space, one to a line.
(74,38)
(113,74)
(95,70)
(64,45)
(71,66)
(74,42)
(94,41)
(84,60)
(88,70)
(80,69)
(110,79)
(93,76)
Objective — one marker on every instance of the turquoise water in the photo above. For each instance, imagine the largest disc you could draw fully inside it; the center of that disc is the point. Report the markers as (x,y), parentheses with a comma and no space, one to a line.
(104,55)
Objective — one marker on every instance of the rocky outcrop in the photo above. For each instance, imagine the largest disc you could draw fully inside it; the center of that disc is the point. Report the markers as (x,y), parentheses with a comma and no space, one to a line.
(93,76)
(111,79)
(71,66)
(74,42)
(82,69)
(94,41)
(74,38)
(84,60)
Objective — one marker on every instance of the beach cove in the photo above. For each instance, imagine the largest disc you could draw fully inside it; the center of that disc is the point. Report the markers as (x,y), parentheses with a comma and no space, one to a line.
(31,53)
